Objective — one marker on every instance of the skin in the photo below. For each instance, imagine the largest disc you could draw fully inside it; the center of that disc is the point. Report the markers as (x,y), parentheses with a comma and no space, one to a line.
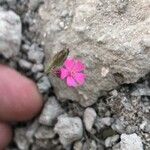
(19,101)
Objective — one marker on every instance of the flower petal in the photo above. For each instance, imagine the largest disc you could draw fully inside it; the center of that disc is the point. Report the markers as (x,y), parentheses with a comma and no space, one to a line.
(80,78)
(71,82)
(79,66)
(69,63)
(63,73)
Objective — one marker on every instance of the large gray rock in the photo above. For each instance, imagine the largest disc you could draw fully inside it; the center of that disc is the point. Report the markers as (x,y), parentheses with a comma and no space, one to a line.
(10,33)
(111,37)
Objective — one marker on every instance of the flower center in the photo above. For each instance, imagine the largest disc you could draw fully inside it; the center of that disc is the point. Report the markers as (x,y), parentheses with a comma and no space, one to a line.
(72,73)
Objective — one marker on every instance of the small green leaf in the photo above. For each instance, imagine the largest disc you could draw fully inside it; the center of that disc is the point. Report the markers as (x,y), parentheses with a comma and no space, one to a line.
(57,60)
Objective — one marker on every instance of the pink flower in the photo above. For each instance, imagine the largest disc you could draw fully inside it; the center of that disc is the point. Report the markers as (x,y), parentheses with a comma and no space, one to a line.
(73,72)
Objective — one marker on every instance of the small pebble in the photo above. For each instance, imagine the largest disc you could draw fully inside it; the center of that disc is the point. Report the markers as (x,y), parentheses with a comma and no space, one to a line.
(38,75)
(107,121)
(10,33)
(44,84)
(110,141)
(25,48)
(34,4)
(89,118)
(44,132)
(62,24)
(37,68)
(69,129)
(93,145)
(116,147)
(20,139)
(51,111)
(64,13)
(118,126)
(31,130)
(78,145)
(24,64)
(36,56)
(145,126)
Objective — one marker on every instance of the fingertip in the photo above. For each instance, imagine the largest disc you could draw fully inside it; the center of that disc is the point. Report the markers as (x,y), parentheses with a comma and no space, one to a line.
(20,98)
(5,135)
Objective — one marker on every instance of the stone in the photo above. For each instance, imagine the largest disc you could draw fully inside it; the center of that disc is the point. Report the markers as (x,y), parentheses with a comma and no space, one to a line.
(34,4)
(37,68)
(89,118)
(10,33)
(20,139)
(145,126)
(93,145)
(101,123)
(64,13)
(110,141)
(31,130)
(36,56)
(38,76)
(131,142)
(110,37)
(44,132)
(51,111)
(118,126)
(116,147)
(12,3)
(141,90)
(122,5)
(78,145)
(69,129)
(1,1)
(25,48)
(24,64)
(107,121)
(90,144)
(44,84)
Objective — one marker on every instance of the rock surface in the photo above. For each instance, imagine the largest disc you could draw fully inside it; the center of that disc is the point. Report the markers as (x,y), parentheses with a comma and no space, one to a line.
(70,129)
(10,33)
(111,37)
